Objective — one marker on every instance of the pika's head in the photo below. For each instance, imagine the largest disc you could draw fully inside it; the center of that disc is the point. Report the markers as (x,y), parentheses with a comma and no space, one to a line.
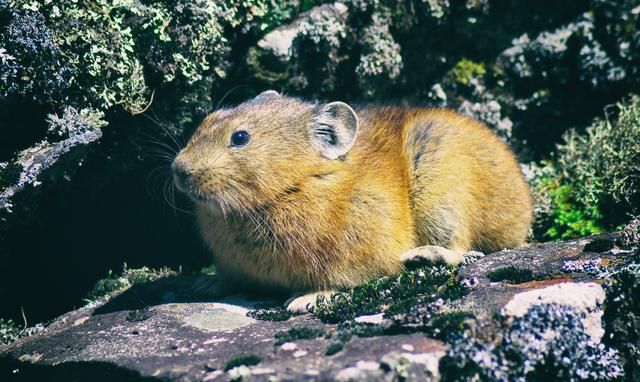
(252,154)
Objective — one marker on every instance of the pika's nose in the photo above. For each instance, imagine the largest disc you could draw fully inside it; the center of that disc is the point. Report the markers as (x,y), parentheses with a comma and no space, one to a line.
(181,173)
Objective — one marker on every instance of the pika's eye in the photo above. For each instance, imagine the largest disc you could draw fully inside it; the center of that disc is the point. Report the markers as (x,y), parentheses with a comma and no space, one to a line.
(240,138)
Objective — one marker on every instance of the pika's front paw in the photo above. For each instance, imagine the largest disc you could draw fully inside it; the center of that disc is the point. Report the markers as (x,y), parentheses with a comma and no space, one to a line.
(432,253)
(306,302)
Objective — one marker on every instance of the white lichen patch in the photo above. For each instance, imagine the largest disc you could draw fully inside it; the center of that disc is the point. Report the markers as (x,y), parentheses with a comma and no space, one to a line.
(371,319)
(584,296)
(299,353)
(226,315)
(289,346)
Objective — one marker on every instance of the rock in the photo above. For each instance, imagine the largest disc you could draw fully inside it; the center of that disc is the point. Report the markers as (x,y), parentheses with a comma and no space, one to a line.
(630,235)
(192,341)
(622,317)
(270,58)
(32,163)
(583,296)
(557,306)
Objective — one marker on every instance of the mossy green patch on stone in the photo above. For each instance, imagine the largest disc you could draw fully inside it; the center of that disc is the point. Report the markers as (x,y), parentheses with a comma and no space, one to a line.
(270,314)
(391,294)
(448,326)
(130,276)
(242,359)
(511,274)
(299,333)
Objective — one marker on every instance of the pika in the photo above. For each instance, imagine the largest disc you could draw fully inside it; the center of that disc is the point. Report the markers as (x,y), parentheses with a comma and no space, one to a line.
(307,198)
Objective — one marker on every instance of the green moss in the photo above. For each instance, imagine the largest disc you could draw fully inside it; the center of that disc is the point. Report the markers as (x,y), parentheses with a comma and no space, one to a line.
(448,327)
(208,270)
(465,70)
(270,314)
(130,276)
(390,294)
(298,333)
(511,274)
(570,220)
(242,359)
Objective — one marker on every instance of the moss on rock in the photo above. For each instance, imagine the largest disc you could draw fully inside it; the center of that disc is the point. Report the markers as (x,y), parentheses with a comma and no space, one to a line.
(298,333)
(392,295)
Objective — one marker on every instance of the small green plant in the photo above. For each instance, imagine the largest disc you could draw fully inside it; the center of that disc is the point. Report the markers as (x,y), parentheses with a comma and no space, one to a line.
(465,70)
(299,333)
(569,219)
(242,359)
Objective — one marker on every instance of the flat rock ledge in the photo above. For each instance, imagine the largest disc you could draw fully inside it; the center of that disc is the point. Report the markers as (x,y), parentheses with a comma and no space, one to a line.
(150,332)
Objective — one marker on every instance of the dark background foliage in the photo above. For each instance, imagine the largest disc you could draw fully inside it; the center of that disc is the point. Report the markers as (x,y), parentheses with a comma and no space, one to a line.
(121,84)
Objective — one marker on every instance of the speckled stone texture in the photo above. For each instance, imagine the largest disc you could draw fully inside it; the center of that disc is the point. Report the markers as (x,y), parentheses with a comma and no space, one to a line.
(157,331)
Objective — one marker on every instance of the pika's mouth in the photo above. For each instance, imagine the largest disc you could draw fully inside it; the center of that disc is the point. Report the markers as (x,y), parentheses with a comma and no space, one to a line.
(186,186)
(182,178)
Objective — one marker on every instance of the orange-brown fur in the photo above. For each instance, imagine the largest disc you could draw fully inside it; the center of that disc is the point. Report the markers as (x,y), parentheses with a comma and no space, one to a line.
(278,214)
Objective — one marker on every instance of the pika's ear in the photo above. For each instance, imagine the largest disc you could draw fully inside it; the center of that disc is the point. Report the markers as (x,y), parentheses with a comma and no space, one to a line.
(333,129)
(267,94)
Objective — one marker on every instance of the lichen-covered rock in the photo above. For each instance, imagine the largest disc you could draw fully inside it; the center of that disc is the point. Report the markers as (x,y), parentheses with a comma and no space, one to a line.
(380,57)
(622,317)
(148,324)
(630,235)
(79,129)
(547,343)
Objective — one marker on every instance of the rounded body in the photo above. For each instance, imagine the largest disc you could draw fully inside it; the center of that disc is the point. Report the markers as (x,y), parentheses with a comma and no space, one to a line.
(413,177)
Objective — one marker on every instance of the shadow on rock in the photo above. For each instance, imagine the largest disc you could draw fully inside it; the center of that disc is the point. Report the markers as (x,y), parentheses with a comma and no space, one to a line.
(13,370)
(180,289)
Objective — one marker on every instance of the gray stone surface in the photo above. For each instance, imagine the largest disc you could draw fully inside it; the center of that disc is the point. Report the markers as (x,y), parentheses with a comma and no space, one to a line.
(157,330)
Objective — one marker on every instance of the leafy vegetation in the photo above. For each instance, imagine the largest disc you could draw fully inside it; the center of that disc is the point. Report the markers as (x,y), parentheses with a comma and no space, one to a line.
(594,171)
